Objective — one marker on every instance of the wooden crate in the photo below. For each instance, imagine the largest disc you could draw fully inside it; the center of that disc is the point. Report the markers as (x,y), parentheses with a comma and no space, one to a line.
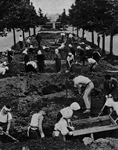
(94,129)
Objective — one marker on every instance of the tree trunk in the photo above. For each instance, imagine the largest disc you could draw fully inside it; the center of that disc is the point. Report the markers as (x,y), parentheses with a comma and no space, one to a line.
(23,34)
(83,33)
(29,32)
(14,36)
(92,37)
(111,44)
(103,44)
(77,32)
(34,31)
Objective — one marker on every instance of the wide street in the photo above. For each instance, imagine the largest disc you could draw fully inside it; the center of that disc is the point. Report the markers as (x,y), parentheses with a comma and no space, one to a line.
(7,42)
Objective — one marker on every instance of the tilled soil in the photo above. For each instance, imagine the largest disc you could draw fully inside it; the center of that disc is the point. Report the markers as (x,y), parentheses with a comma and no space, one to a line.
(29,92)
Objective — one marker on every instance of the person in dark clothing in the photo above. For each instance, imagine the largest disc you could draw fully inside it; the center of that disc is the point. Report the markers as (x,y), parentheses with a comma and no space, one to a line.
(10,55)
(96,56)
(110,85)
(31,49)
(40,61)
(110,88)
(21,41)
(72,50)
(57,59)
(26,59)
(39,39)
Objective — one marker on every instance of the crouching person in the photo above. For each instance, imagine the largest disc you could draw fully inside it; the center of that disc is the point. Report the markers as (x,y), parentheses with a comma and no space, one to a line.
(5,121)
(31,66)
(64,125)
(35,130)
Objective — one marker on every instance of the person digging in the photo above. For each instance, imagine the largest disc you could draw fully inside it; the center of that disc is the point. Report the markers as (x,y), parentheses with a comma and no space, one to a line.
(64,125)
(5,121)
(110,88)
(79,82)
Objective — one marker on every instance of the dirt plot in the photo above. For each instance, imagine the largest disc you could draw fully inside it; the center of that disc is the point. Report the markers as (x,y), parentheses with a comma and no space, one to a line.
(28,93)
(94,124)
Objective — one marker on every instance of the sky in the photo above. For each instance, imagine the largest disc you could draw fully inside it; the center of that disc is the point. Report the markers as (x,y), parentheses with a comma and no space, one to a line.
(52,6)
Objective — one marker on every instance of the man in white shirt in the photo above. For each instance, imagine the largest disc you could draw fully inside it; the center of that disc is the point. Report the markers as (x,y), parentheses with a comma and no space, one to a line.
(80,81)
(35,131)
(5,118)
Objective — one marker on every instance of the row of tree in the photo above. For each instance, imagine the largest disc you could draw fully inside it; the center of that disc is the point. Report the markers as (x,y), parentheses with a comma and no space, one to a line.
(20,14)
(100,16)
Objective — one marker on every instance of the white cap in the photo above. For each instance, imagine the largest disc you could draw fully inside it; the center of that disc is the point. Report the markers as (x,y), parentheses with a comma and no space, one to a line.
(78,47)
(70,45)
(56,50)
(9,49)
(39,52)
(109,102)
(67,112)
(44,47)
(70,54)
(87,48)
(31,46)
(75,106)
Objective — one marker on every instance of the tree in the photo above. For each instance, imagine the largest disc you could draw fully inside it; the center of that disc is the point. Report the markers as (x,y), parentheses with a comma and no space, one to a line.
(63,18)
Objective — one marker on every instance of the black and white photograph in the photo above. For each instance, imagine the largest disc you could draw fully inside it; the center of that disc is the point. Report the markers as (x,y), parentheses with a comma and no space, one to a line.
(58,74)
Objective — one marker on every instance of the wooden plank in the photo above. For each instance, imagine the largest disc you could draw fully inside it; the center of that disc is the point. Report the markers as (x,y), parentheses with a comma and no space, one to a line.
(91,120)
(94,130)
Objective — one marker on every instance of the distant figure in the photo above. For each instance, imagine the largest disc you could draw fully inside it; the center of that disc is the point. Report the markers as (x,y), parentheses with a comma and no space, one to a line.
(39,39)
(31,66)
(62,36)
(96,56)
(70,38)
(31,49)
(28,41)
(82,54)
(70,61)
(57,59)
(72,50)
(92,64)
(40,61)
(98,40)
(21,42)
(26,58)
(35,131)
(10,55)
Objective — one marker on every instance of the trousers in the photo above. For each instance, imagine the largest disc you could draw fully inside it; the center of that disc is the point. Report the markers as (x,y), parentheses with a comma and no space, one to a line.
(87,95)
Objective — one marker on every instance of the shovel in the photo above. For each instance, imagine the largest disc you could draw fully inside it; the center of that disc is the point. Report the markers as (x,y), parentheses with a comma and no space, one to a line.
(11,137)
